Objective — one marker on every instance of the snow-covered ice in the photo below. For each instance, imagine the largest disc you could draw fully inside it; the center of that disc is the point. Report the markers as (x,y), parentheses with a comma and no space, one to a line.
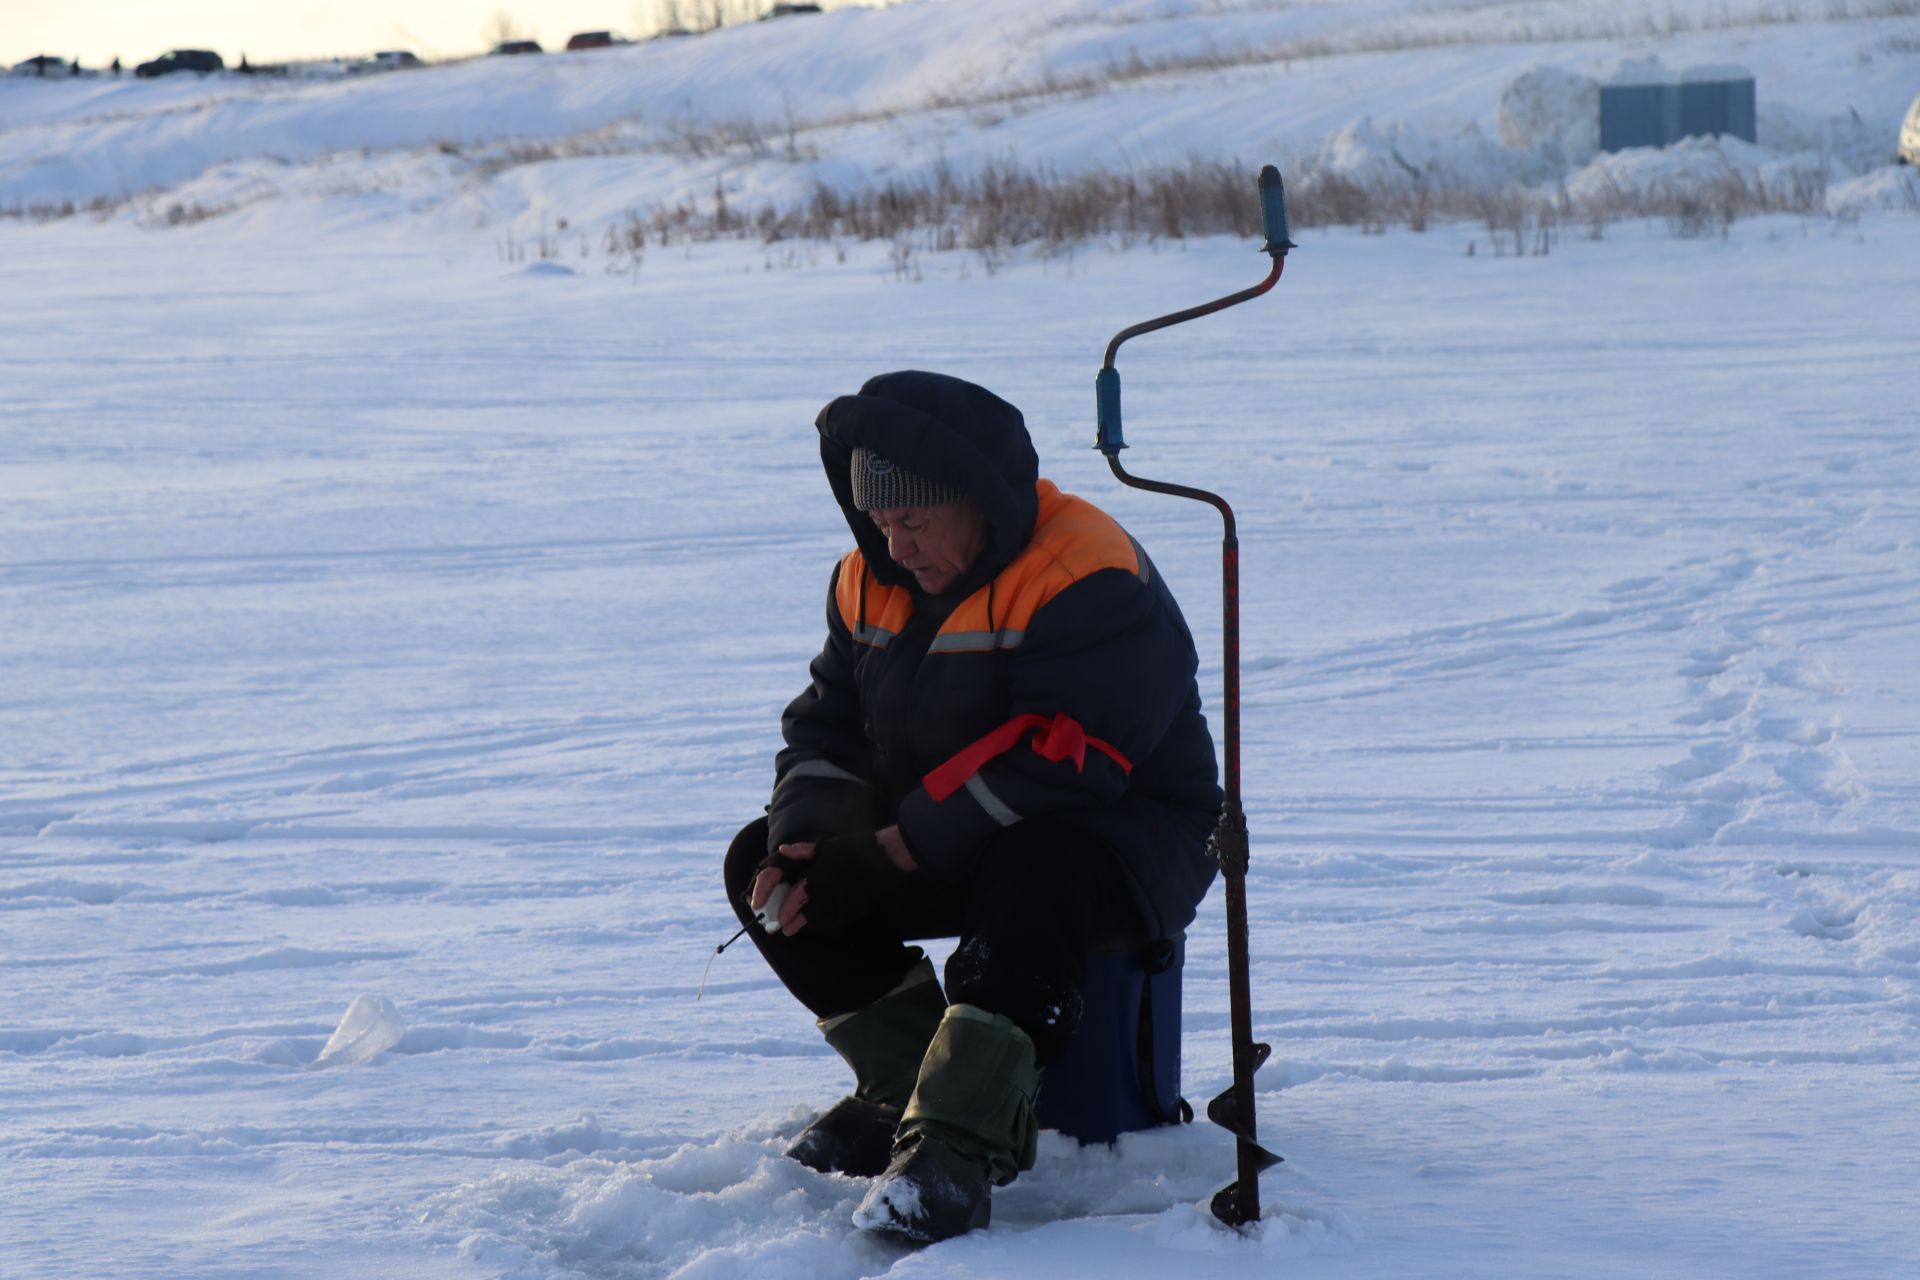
(378,621)
(382,618)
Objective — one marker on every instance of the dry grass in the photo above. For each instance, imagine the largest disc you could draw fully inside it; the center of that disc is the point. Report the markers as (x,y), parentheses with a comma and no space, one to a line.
(1006,209)
(99,207)
(186,215)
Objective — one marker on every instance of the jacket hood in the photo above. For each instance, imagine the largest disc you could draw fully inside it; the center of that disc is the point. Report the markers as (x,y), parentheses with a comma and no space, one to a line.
(950,431)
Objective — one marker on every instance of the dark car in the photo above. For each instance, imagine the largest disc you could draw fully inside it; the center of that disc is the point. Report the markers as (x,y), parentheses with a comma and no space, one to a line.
(788,11)
(46,64)
(594,40)
(516,46)
(201,60)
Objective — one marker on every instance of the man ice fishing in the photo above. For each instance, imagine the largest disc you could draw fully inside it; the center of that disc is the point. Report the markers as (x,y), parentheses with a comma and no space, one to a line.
(1003,743)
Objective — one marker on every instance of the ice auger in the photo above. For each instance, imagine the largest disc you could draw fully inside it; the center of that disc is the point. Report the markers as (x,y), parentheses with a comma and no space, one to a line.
(1239,1202)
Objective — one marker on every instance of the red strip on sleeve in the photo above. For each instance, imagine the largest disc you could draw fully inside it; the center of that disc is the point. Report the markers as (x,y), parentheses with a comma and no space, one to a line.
(1059,738)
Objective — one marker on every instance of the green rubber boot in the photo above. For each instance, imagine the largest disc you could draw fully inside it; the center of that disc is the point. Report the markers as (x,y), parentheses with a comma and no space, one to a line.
(883,1043)
(968,1127)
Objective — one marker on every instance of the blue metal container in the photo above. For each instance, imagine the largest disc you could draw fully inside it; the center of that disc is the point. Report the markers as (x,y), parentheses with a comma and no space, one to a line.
(1123,1071)
(1635,115)
(1651,107)
(1717,101)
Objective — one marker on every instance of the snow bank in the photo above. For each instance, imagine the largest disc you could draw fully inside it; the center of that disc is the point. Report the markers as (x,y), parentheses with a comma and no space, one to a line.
(1894,187)
(1403,158)
(1642,175)
(737,1207)
(1553,112)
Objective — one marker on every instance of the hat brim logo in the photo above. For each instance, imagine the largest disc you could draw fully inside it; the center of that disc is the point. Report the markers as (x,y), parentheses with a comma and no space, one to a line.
(878,466)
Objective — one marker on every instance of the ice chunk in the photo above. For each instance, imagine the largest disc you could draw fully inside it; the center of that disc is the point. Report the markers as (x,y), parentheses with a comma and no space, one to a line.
(370,1027)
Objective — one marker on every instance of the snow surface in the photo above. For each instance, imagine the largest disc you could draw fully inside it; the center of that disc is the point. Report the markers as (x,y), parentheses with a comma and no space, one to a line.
(390,625)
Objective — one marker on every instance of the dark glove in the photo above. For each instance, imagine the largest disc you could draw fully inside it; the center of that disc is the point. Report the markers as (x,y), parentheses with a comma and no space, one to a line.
(792,870)
(847,879)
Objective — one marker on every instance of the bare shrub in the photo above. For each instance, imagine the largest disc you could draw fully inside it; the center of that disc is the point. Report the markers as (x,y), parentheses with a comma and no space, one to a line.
(698,140)
(706,15)
(48,211)
(625,245)
(1705,208)
(187,215)
(904,266)
(1005,208)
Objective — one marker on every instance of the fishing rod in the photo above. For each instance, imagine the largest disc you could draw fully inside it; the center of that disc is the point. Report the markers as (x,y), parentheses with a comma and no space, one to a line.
(1239,1202)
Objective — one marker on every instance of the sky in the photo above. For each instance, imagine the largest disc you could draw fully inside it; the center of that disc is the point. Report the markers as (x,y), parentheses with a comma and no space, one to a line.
(97,31)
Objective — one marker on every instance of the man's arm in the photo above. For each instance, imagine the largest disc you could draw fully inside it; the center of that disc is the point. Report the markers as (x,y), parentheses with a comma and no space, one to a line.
(1104,652)
(822,776)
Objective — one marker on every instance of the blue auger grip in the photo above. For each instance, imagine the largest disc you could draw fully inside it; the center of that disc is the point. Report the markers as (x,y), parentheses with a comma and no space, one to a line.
(1273,212)
(1106,393)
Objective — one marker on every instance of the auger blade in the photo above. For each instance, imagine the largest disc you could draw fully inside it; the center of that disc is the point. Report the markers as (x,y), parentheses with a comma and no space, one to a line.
(1233,1204)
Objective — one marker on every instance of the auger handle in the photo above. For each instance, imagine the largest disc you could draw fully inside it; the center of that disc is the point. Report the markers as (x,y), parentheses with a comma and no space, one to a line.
(1108,436)
(1273,212)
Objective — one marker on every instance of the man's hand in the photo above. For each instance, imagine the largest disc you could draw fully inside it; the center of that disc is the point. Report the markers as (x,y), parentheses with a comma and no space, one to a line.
(786,865)
(894,845)
(837,881)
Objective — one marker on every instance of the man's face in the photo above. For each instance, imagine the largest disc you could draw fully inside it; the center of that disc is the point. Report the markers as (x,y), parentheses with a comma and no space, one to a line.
(935,544)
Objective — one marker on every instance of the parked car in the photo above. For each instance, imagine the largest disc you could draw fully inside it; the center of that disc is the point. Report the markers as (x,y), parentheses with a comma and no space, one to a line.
(201,60)
(1910,135)
(44,64)
(515,46)
(389,60)
(594,40)
(788,11)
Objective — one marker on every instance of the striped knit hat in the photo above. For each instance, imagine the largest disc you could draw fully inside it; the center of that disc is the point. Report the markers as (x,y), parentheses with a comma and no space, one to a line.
(878,482)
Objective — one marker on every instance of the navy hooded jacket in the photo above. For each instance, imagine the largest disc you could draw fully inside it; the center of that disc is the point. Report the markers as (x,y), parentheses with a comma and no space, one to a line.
(1062,615)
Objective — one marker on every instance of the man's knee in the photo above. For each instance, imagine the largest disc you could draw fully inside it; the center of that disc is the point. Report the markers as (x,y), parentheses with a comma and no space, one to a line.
(1024,953)
(1040,894)
(1033,981)
(743,855)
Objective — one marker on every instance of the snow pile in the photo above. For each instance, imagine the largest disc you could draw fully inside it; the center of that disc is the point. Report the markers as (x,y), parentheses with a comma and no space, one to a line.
(1403,158)
(1640,176)
(1549,142)
(731,1208)
(1553,112)
(1850,142)
(736,1206)
(1893,188)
